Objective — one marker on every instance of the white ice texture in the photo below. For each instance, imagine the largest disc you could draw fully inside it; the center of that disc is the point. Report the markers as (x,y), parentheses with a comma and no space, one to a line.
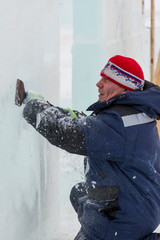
(29,168)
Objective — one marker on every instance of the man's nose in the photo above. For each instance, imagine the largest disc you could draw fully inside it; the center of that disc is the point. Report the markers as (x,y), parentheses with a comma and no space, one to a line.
(99,84)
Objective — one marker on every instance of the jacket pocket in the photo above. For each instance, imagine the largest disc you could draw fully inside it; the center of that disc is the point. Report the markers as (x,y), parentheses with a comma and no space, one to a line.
(107,194)
(110,210)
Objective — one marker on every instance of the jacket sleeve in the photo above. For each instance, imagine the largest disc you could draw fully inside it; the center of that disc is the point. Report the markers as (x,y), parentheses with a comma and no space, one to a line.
(56,126)
(98,137)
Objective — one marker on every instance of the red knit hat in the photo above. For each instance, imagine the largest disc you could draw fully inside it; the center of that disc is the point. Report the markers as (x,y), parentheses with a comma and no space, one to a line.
(125,72)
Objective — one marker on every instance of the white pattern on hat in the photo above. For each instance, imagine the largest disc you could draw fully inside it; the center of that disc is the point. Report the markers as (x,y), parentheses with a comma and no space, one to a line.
(122,77)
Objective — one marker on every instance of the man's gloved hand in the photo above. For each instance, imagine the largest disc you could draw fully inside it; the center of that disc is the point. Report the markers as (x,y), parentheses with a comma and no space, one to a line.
(30,95)
(71,113)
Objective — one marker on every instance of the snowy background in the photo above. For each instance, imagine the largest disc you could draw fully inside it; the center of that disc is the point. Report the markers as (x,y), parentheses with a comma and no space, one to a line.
(57,48)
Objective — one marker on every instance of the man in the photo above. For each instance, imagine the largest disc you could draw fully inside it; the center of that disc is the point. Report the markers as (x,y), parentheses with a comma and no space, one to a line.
(120,198)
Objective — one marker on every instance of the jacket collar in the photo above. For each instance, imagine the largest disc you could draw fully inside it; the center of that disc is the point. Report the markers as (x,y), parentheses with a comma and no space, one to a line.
(101,105)
(147,101)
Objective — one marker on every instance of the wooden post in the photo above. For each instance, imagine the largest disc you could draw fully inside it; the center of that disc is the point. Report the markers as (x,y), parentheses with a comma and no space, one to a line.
(142,6)
(157,71)
(154,77)
(152,40)
(157,81)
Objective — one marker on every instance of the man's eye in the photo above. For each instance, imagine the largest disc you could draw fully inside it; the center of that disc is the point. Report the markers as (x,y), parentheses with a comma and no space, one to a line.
(106,80)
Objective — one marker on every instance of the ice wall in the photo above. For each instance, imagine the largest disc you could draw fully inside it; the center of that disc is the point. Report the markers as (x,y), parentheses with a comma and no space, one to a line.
(103,28)
(29,37)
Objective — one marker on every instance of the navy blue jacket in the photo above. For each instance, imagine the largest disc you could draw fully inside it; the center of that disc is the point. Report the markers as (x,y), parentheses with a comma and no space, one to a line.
(121,196)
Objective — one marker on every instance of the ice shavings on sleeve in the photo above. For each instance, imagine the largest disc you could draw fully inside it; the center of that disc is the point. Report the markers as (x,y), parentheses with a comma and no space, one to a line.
(47,115)
(38,119)
(58,128)
(93,183)
(87,167)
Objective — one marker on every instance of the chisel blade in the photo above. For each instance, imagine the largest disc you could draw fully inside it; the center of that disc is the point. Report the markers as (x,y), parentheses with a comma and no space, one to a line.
(20,92)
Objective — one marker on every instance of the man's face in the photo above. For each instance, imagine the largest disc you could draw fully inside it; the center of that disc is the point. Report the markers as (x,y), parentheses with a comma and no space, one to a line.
(108,89)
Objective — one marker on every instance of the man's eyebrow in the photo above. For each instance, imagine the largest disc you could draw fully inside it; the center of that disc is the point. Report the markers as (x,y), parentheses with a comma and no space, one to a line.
(106,79)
